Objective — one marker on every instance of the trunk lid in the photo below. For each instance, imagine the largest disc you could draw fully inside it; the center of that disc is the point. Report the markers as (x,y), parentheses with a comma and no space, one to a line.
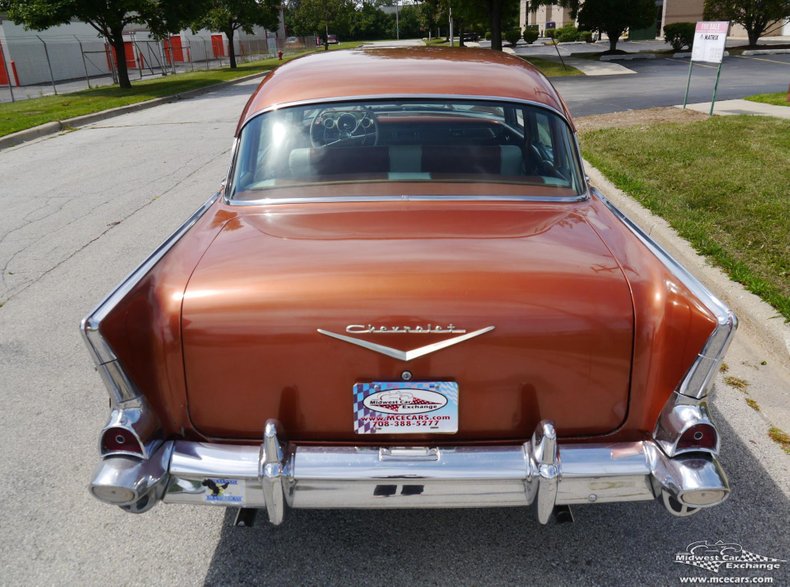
(390,275)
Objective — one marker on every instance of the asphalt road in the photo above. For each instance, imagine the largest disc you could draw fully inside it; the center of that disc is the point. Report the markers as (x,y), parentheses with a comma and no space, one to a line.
(662,82)
(80,210)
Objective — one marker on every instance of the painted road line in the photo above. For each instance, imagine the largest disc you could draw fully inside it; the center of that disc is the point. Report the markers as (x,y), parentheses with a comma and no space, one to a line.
(763,59)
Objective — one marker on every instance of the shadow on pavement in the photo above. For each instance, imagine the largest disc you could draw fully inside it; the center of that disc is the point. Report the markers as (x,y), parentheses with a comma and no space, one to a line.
(616,544)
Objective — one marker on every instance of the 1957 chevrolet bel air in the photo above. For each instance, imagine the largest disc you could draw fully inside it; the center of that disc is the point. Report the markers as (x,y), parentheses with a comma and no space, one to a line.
(406,295)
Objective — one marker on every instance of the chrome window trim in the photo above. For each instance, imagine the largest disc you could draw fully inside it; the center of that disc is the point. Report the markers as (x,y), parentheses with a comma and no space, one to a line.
(118,384)
(381,97)
(697,381)
(410,198)
(410,97)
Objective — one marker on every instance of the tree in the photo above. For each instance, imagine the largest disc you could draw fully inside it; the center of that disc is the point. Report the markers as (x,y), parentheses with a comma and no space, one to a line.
(311,17)
(108,17)
(495,22)
(228,16)
(615,16)
(756,16)
(370,23)
(610,16)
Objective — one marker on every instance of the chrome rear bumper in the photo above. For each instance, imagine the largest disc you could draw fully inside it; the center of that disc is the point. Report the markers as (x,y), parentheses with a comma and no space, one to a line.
(275,475)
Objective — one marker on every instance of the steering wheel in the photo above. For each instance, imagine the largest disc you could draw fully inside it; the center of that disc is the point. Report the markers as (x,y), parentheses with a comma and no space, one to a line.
(541,162)
(343,127)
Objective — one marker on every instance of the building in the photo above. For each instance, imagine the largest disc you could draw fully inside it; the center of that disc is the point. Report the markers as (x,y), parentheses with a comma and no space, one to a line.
(550,17)
(75,50)
(667,12)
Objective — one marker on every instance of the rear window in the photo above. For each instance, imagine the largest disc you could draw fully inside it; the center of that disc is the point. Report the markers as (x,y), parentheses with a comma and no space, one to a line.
(438,147)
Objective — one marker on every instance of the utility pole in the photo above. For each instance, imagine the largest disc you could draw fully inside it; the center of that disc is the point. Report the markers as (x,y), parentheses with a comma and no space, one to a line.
(451,26)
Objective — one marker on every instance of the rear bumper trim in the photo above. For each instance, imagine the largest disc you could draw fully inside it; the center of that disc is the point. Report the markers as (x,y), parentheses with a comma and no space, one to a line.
(275,475)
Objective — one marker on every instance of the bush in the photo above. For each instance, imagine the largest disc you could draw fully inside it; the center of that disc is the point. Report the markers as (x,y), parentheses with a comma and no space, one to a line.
(512,36)
(487,36)
(679,35)
(567,34)
(531,34)
(586,36)
(551,33)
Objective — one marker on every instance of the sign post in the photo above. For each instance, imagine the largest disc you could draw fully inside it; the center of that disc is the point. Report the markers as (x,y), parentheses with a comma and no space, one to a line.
(709,41)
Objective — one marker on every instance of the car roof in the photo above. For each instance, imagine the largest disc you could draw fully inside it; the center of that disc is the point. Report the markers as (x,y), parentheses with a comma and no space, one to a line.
(402,72)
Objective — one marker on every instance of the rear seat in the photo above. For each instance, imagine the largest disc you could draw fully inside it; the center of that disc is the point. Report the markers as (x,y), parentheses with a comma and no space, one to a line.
(408,161)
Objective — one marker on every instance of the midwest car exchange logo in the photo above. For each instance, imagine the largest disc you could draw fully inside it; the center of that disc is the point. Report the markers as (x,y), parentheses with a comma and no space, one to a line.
(713,556)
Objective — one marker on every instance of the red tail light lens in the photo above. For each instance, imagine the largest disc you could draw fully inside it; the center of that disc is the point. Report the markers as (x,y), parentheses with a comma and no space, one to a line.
(699,437)
(120,440)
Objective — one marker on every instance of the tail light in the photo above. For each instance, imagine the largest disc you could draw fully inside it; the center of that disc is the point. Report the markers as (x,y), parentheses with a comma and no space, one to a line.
(685,426)
(702,436)
(133,431)
(117,440)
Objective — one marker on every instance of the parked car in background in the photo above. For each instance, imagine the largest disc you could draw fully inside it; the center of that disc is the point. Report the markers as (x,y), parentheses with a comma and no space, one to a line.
(470,36)
(406,295)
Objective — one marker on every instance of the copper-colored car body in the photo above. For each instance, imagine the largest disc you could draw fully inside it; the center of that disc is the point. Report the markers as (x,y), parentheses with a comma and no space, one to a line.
(594,348)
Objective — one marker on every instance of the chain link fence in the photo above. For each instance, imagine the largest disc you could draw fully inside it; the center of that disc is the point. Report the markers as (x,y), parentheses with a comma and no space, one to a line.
(34,65)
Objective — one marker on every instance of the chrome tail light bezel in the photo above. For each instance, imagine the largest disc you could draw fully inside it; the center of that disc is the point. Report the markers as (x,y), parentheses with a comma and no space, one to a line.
(680,414)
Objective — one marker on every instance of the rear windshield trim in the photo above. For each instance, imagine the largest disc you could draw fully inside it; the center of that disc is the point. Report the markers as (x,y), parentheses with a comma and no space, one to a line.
(410,198)
(410,97)
(582,196)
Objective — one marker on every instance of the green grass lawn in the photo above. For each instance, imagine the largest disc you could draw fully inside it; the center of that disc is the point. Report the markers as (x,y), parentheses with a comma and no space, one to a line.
(777,99)
(16,116)
(721,183)
(551,68)
(437,41)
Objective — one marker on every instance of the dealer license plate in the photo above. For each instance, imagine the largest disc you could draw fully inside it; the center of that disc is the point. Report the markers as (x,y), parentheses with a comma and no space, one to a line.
(406,407)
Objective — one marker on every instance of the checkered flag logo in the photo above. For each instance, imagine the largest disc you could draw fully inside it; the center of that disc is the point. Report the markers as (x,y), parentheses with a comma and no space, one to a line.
(702,564)
(711,556)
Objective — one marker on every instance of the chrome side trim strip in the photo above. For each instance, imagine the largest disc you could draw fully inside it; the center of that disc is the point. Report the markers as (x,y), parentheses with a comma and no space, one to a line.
(699,377)
(119,386)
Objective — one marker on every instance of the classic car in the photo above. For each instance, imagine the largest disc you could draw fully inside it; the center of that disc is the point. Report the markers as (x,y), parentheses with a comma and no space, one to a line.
(406,294)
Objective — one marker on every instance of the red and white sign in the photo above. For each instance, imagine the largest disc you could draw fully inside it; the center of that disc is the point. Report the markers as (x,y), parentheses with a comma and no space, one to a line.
(709,40)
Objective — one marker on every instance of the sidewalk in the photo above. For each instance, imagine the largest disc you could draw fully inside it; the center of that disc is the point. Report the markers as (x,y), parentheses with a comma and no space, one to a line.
(592,68)
(732,107)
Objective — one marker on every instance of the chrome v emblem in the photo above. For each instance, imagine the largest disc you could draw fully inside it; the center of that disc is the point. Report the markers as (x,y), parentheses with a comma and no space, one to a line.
(407,355)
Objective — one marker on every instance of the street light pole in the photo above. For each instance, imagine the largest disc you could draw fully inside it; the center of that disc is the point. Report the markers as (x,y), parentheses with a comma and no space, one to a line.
(397,22)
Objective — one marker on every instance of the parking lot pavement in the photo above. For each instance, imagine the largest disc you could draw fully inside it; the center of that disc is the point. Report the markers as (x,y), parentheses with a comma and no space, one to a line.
(662,82)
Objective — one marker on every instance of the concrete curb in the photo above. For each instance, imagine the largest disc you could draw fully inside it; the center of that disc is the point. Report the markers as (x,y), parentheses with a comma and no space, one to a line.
(627,57)
(761,321)
(766,52)
(687,55)
(50,128)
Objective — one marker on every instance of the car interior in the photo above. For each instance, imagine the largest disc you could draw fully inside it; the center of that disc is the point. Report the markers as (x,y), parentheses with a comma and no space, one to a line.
(406,141)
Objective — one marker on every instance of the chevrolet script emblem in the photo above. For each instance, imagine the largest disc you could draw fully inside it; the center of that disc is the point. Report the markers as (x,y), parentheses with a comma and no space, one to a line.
(405,355)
